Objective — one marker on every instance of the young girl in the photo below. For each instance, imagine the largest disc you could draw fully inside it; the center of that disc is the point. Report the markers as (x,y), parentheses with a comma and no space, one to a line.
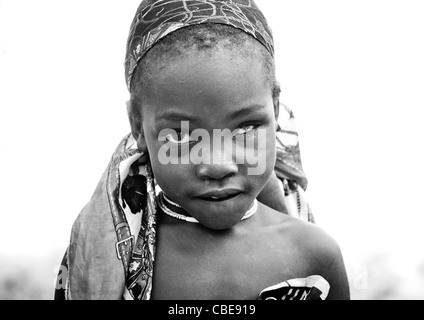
(176,214)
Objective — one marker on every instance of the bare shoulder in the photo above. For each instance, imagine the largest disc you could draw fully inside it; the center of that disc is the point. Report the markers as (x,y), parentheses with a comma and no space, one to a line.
(320,250)
(299,230)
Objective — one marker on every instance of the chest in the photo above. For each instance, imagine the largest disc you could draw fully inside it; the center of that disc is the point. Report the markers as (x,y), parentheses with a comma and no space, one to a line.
(236,269)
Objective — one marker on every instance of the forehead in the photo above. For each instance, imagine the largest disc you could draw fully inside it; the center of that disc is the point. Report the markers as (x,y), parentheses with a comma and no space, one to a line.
(197,83)
(204,39)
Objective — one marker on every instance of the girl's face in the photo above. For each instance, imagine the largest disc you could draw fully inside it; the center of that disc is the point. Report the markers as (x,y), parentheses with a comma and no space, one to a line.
(218,166)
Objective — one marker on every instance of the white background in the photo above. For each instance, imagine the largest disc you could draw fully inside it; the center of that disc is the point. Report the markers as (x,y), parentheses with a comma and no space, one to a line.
(352,71)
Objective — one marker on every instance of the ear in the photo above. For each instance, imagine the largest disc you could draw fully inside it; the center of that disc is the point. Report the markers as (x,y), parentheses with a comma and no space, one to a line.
(134,116)
(276,108)
(276,101)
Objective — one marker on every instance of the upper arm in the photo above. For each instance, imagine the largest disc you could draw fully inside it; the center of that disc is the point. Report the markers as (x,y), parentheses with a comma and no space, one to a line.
(334,271)
(326,260)
(337,276)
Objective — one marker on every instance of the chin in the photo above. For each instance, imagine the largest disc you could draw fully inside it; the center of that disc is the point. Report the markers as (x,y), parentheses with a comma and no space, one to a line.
(220,215)
(216,221)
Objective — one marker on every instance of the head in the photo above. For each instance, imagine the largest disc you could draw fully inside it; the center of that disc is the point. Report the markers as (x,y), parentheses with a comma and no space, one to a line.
(198,85)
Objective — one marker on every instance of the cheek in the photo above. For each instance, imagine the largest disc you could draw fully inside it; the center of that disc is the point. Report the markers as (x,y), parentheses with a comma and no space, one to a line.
(269,161)
(267,164)
(167,175)
(261,160)
(271,148)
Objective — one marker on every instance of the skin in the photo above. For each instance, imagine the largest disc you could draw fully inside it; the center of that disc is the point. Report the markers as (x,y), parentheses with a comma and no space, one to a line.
(201,88)
(223,257)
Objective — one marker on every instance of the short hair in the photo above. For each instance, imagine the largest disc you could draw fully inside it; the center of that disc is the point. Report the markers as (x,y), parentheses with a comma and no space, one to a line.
(202,37)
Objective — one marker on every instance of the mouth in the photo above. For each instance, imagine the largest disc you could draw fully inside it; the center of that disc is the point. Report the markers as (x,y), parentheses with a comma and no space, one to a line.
(220,195)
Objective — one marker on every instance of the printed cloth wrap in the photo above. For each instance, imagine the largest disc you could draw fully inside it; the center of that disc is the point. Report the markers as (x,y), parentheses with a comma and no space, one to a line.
(113,240)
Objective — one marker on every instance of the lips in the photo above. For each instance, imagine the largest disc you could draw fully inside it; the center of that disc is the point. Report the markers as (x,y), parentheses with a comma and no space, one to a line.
(220,195)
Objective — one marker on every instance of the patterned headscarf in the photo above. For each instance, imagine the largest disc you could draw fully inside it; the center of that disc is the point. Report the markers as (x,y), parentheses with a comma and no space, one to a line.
(155,19)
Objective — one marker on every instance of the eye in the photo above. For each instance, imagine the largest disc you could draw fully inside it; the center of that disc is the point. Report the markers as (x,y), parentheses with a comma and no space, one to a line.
(178,137)
(244,130)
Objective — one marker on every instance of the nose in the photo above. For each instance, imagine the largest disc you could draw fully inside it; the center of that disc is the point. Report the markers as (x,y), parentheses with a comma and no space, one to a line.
(216,171)
(221,162)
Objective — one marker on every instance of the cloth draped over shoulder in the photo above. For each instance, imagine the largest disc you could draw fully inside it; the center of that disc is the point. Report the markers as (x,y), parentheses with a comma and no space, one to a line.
(112,245)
